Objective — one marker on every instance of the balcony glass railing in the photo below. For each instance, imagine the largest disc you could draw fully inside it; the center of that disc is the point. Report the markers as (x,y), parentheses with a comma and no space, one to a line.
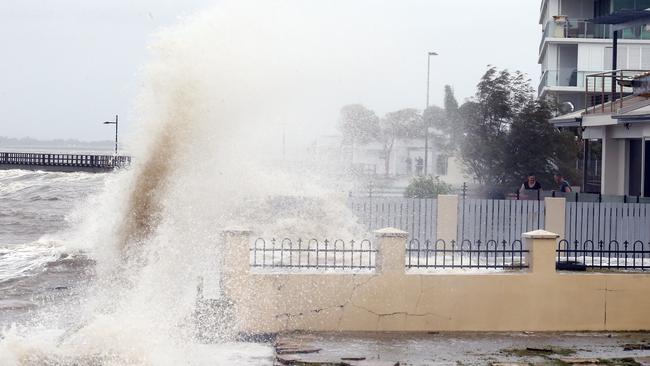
(573,28)
(576,29)
(564,77)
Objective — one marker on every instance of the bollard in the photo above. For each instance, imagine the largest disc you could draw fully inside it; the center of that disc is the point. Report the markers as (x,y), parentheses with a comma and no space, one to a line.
(541,251)
(447,220)
(391,250)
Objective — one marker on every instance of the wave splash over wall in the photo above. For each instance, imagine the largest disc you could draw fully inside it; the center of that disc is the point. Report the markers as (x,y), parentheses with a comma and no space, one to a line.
(219,87)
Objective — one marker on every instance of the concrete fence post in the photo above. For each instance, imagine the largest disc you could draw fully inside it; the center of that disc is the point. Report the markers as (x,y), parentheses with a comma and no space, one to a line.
(391,250)
(541,246)
(555,215)
(236,252)
(447,219)
(225,316)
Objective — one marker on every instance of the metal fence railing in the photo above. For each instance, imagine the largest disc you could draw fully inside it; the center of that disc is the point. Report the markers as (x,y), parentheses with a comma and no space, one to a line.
(606,222)
(466,254)
(312,254)
(612,255)
(498,220)
(417,216)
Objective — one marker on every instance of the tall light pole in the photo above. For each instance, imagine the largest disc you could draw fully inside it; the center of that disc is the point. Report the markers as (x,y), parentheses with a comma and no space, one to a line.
(426,128)
(116,124)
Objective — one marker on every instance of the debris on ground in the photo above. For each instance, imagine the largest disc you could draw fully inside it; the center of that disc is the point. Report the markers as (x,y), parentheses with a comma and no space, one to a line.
(464,349)
(538,351)
(636,347)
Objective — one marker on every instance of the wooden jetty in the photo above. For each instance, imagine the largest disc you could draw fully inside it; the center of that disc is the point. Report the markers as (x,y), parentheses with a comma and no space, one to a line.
(63,162)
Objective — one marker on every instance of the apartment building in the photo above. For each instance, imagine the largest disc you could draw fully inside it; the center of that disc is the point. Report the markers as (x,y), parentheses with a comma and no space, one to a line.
(573,47)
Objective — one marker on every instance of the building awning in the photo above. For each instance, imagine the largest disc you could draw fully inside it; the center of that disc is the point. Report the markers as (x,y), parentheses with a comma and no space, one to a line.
(638,113)
(573,119)
(624,18)
(621,16)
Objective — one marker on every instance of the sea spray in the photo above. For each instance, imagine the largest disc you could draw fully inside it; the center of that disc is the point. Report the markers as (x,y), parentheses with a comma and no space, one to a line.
(218,85)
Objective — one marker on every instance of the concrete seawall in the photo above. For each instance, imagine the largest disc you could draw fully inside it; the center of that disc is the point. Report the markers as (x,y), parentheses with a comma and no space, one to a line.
(390,299)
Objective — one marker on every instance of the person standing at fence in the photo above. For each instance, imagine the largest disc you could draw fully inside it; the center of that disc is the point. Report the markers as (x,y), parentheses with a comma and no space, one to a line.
(419,165)
(409,166)
(529,185)
(563,185)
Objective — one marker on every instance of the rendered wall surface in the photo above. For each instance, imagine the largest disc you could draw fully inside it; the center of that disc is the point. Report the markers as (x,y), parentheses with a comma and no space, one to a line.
(540,299)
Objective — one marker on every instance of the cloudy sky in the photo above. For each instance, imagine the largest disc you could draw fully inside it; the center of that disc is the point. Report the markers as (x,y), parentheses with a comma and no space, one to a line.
(68,65)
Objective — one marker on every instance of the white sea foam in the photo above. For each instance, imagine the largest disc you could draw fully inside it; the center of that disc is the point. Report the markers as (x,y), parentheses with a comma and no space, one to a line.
(220,83)
(27,259)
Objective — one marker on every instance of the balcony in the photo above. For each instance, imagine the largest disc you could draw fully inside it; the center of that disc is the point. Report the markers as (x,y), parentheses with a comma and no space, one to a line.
(610,92)
(563,77)
(573,28)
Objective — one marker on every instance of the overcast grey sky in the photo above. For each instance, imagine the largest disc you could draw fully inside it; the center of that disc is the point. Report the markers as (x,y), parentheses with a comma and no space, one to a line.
(67,65)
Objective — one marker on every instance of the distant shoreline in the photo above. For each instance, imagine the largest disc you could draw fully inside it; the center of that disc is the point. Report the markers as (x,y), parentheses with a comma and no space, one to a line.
(57,146)
(98,150)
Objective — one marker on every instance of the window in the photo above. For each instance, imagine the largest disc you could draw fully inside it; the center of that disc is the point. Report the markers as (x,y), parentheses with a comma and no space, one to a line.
(631,4)
(623,4)
(602,8)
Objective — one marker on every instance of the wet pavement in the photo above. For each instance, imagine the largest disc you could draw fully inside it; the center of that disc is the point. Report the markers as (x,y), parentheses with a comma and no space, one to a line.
(464,348)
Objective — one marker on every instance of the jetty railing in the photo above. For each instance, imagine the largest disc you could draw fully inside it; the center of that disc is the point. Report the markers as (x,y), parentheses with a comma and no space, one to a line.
(65,160)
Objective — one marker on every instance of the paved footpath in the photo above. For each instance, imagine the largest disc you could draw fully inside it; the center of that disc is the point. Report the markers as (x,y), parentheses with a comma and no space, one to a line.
(461,348)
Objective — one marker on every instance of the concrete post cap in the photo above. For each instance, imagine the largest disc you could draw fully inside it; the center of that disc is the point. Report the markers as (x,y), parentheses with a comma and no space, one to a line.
(391,232)
(448,195)
(236,230)
(555,198)
(540,234)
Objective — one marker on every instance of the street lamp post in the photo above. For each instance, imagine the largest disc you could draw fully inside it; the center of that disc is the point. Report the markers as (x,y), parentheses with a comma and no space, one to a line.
(116,124)
(426,130)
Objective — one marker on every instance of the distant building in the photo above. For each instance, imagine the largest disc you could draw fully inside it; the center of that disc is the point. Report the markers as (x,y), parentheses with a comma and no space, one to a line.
(572,47)
(406,159)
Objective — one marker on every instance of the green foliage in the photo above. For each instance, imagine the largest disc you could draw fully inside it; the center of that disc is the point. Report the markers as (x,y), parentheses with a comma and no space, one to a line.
(451,104)
(506,133)
(446,123)
(405,123)
(402,123)
(426,187)
(500,135)
(358,124)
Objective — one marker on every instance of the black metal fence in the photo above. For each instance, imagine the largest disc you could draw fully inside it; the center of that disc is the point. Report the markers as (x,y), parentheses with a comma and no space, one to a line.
(502,255)
(417,216)
(606,222)
(612,255)
(312,254)
(68,160)
(500,221)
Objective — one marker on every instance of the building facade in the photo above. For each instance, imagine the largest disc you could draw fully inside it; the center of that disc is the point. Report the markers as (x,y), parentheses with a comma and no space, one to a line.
(616,135)
(572,47)
(405,160)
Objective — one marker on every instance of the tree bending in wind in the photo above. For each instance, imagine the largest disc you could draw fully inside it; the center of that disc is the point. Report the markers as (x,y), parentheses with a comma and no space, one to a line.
(506,133)
(404,123)
(358,125)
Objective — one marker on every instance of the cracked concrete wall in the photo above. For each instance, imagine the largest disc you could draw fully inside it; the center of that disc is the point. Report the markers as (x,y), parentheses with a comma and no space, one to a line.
(538,300)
